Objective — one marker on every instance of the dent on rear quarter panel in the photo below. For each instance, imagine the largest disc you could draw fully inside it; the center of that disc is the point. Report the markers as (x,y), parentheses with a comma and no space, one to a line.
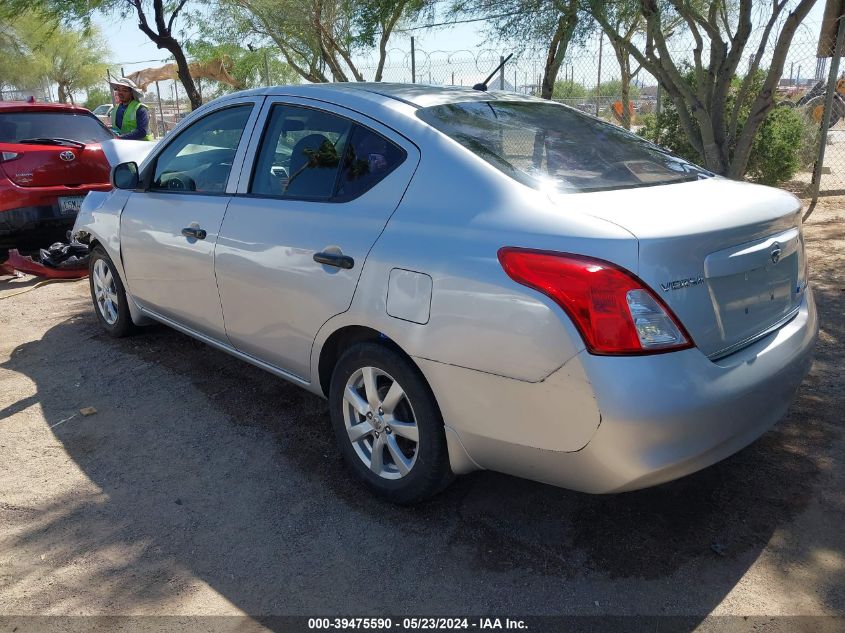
(558,414)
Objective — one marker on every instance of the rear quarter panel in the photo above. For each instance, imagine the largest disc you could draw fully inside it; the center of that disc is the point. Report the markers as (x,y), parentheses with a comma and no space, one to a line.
(457,213)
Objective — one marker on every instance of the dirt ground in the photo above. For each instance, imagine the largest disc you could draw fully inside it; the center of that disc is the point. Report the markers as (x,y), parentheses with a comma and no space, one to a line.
(205,486)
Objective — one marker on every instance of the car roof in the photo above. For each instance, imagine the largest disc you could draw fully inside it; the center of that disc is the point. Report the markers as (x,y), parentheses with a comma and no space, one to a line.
(40,106)
(417,95)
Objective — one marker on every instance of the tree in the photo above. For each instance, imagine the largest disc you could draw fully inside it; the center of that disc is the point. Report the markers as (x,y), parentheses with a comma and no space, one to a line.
(156,20)
(96,97)
(74,60)
(778,147)
(625,21)
(552,24)
(376,19)
(298,30)
(317,38)
(721,31)
(42,50)
(19,67)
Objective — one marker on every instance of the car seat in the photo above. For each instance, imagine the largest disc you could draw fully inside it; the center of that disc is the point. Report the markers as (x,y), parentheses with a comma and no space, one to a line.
(310,181)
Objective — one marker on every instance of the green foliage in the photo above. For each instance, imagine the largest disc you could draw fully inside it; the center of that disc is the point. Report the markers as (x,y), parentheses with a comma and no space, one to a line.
(665,130)
(39,49)
(776,153)
(370,18)
(568,89)
(613,88)
(97,96)
(19,66)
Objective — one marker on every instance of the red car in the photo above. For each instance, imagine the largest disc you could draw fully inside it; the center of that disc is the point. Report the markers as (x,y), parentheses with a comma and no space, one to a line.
(50,158)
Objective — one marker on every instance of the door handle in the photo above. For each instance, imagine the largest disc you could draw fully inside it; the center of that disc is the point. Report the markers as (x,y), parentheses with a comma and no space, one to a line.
(191,231)
(338,260)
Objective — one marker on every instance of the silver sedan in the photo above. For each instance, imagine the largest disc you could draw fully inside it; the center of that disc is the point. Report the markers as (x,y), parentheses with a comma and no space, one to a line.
(474,280)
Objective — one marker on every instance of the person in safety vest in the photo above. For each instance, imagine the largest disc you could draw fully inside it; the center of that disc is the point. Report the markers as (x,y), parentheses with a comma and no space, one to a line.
(130,119)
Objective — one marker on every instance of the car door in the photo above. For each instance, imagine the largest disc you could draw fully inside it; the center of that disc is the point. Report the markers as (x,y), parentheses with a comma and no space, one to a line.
(317,188)
(168,231)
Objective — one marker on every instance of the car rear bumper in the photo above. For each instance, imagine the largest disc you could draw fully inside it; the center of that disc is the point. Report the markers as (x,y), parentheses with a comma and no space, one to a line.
(660,417)
(24,210)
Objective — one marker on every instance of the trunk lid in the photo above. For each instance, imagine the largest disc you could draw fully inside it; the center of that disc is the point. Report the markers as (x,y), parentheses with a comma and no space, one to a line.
(54,165)
(727,257)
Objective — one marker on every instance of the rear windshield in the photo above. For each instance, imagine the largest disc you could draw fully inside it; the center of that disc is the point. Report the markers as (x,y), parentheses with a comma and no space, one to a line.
(18,126)
(547,145)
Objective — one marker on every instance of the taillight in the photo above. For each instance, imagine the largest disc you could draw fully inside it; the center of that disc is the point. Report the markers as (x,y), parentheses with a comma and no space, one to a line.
(613,310)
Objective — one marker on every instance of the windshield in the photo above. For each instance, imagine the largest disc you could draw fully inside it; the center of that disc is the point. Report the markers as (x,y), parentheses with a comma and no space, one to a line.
(547,145)
(18,126)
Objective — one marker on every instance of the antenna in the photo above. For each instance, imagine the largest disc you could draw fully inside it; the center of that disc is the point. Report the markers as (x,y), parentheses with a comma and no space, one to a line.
(483,85)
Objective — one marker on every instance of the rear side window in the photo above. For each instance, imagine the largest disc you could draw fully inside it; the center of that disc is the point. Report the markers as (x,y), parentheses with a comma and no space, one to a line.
(310,154)
(200,158)
(300,153)
(547,145)
(16,127)
(368,159)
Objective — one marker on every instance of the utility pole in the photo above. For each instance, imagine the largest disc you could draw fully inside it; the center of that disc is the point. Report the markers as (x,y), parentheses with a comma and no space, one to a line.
(413,62)
(161,111)
(598,79)
(111,92)
(828,106)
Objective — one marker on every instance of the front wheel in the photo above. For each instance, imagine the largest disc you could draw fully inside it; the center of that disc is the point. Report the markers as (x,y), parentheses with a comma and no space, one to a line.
(388,425)
(108,294)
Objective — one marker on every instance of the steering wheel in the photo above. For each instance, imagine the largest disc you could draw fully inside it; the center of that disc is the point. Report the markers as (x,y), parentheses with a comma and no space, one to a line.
(181,183)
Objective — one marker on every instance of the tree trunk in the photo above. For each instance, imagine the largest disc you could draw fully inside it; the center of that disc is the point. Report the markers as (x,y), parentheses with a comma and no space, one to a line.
(162,38)
(557,48)
(386,31)
(62,93)
(626,99)
(185,74)
(382,57)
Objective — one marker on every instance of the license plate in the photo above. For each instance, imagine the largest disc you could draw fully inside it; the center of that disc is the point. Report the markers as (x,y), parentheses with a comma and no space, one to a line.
(70,205)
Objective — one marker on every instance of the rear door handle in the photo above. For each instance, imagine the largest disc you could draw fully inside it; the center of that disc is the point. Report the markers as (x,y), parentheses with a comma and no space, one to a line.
(338,260)
(191,231)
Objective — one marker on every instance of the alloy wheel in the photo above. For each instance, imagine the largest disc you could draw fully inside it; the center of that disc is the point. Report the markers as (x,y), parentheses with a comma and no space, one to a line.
(105,292)
(380,423)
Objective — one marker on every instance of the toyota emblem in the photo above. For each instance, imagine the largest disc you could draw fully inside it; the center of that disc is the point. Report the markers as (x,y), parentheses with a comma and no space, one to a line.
(775,253)
(67,156)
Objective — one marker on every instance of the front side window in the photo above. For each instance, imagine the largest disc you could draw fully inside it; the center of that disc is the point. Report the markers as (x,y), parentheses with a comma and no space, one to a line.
(200,158)
(300,154)
(550,146)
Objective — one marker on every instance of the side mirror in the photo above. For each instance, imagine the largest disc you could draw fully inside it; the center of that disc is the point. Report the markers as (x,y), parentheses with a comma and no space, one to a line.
(125,176)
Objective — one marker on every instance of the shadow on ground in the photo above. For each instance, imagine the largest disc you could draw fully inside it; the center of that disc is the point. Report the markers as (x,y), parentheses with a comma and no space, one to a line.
(212,469)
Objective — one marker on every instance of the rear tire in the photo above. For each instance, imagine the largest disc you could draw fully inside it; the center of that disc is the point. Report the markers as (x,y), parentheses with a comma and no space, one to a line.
(388,425)
(110,303)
